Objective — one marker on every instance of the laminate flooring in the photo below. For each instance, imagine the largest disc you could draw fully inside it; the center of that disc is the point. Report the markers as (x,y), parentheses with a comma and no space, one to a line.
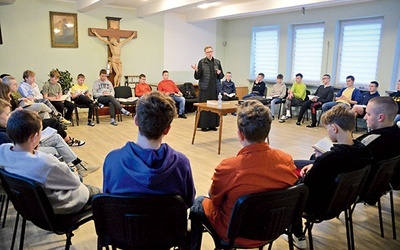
(295,140)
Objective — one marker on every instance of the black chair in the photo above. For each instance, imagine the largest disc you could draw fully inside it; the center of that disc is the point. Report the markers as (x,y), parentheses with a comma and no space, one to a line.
(188,91)
(347,187)
(379,185)
(81,106)
(4,205)
(263,217)
(139,221)
(31,202)
(125,92)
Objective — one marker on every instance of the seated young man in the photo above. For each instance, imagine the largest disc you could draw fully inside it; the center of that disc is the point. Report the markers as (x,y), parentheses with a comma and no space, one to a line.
(142,88)
(296,96)
(258,88)
(359,108)
(384,135)
(80,95)
(168,87)
(149,166)
(346,156)
(277,94)
(65,191)
(228,89)
(103,91)
(53,92)
(256,168)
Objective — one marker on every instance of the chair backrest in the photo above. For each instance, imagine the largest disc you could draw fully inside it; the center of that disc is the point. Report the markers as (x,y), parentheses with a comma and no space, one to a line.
(346,190)
(265,216)
(380,183)
(29,199)
(188,90)
(143,221)
(123,92)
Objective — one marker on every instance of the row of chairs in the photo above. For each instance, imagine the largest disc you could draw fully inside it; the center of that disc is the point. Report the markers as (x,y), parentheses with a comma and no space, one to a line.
(124,92)
(155,222)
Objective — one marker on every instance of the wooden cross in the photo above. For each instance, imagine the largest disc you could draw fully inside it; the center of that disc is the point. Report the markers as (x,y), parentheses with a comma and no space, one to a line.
(112,31)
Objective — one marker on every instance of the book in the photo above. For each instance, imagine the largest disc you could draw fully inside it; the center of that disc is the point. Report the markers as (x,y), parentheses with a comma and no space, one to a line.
(312,96)
(62,98)
(323,145)
(47,132)
(130,99)
(25,104)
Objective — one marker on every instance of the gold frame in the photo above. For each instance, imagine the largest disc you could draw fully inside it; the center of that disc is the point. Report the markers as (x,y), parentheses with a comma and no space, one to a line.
(63,30)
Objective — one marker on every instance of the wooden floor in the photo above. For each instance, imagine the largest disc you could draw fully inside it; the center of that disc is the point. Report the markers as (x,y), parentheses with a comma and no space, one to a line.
(203,156)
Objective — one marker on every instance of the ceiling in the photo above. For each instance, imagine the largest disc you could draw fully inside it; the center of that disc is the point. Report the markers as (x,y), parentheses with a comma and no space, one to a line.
(219,9)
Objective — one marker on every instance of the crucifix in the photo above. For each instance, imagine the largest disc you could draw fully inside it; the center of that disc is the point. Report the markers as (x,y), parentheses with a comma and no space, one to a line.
(114,34)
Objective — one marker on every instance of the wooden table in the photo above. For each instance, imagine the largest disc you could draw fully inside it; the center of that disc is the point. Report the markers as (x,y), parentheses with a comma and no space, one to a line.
(227,107)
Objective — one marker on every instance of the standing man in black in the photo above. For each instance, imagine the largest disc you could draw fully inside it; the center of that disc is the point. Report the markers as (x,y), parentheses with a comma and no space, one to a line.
(209,73)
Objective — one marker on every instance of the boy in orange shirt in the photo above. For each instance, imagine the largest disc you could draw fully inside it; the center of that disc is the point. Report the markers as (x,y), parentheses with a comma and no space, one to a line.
(142,88)
(168,87)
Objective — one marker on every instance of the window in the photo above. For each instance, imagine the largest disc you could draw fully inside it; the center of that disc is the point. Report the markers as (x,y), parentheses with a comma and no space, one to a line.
(358,50)
(308,42)
(265,51)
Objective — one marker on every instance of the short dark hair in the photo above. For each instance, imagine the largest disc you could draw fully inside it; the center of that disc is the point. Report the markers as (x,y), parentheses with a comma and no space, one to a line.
(279,76)
(376,83)
(142,75)
(327,75)
(82,75)
(350,77)
(103,71)
(164,71)
(385,105)
(27,73)
(341,115)
(299,74)
(22,124)
(228,72)
(254,121)
(154,112)
(54,73)
(261,74)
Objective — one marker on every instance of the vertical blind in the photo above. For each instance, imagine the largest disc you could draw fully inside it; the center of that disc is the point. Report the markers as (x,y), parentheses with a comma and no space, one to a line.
(265,51)
(308,42)
(359,50)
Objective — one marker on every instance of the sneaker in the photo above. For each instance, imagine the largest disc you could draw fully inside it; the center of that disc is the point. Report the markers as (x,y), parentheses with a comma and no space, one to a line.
(182,116)
(90,123)
(311,126)
(284,117)
(273,118)
(84,168)
(125,112)
(113,122)
(234,114)
(299,242)
(64,121)
(298,123)
(75,143)
(100,105)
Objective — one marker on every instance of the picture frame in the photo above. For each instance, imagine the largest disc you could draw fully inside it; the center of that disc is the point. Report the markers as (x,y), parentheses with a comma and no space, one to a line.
(63,30)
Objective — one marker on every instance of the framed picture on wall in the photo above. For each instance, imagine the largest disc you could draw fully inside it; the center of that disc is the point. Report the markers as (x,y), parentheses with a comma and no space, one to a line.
(63,30)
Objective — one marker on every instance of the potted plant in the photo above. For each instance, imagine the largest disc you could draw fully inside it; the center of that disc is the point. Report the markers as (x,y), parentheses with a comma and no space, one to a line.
(65,80)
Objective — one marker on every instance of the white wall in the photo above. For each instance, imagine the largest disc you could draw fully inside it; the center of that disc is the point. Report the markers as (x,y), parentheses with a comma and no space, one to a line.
(173,46)
(238,36)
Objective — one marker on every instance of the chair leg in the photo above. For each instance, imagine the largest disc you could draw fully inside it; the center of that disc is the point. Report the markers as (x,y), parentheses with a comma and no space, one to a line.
(392,213)
(96,112)
(349,229)
(15,231)
(309,226)
(380,218)
(5,212)
(68,242)
(21,240)
(76,116)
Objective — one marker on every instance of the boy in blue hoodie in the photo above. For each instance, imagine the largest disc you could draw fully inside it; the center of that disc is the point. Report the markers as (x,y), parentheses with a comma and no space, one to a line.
(149,166)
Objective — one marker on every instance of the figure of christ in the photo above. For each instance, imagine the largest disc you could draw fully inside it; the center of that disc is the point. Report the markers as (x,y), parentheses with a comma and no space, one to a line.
(115,60)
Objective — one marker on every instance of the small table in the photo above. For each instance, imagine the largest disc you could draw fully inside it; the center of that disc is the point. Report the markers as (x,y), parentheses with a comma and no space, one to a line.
(227,107)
